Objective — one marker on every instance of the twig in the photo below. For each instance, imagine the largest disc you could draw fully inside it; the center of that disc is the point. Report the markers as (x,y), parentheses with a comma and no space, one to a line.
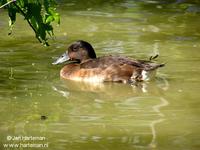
(7,3)
(28,21)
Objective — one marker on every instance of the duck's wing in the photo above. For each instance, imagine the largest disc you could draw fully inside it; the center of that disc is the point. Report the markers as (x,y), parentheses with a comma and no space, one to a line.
(146,65)
(106,61)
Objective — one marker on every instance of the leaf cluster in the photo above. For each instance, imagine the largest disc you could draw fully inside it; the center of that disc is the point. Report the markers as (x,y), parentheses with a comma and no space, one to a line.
(38,13)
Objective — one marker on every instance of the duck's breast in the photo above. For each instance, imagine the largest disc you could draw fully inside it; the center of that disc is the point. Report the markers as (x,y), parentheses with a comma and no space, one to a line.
(74,72)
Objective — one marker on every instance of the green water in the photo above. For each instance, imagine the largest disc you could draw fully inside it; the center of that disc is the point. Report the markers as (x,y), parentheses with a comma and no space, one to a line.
(161,114)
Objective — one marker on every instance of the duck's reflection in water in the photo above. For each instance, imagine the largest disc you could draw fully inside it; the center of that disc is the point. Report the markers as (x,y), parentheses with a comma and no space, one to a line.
(130,113)
(112,89)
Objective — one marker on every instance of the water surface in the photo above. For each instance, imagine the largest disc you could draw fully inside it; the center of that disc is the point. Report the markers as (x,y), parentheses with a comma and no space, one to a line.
(160,114)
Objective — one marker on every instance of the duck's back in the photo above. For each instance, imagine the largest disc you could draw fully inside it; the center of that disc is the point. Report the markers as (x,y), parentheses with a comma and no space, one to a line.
(106,61)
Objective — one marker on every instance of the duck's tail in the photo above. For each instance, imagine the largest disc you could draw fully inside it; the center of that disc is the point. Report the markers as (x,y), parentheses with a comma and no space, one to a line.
(147,69)
(151,65)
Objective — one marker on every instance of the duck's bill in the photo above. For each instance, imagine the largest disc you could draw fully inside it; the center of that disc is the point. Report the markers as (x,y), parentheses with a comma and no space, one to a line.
(63,58)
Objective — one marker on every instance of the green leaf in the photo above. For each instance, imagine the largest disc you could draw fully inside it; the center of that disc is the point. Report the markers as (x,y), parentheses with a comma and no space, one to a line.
(12,17)
(38,13)
(49,19)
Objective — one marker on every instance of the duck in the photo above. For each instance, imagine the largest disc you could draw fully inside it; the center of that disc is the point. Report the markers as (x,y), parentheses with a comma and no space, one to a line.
(83,65)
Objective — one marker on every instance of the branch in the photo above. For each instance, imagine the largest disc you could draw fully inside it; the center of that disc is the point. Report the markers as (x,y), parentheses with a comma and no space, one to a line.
(27,21)
(7,3)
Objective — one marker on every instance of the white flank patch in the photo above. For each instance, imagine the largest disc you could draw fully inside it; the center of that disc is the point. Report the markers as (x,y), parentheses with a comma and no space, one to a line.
(147,75)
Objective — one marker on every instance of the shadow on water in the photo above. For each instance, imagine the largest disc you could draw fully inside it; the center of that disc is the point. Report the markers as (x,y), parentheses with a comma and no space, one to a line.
(85,4)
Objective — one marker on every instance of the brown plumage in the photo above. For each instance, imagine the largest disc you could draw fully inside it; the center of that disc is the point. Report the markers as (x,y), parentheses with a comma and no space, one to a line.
(84,66)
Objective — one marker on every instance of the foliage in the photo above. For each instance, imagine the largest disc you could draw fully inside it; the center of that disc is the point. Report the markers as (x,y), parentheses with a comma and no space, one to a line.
(38,13)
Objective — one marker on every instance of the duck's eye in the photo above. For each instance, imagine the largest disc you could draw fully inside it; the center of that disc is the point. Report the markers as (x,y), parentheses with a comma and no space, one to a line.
(75,49)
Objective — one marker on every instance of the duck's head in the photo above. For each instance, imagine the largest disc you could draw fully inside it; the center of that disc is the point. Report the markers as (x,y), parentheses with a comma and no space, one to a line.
(78,51)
